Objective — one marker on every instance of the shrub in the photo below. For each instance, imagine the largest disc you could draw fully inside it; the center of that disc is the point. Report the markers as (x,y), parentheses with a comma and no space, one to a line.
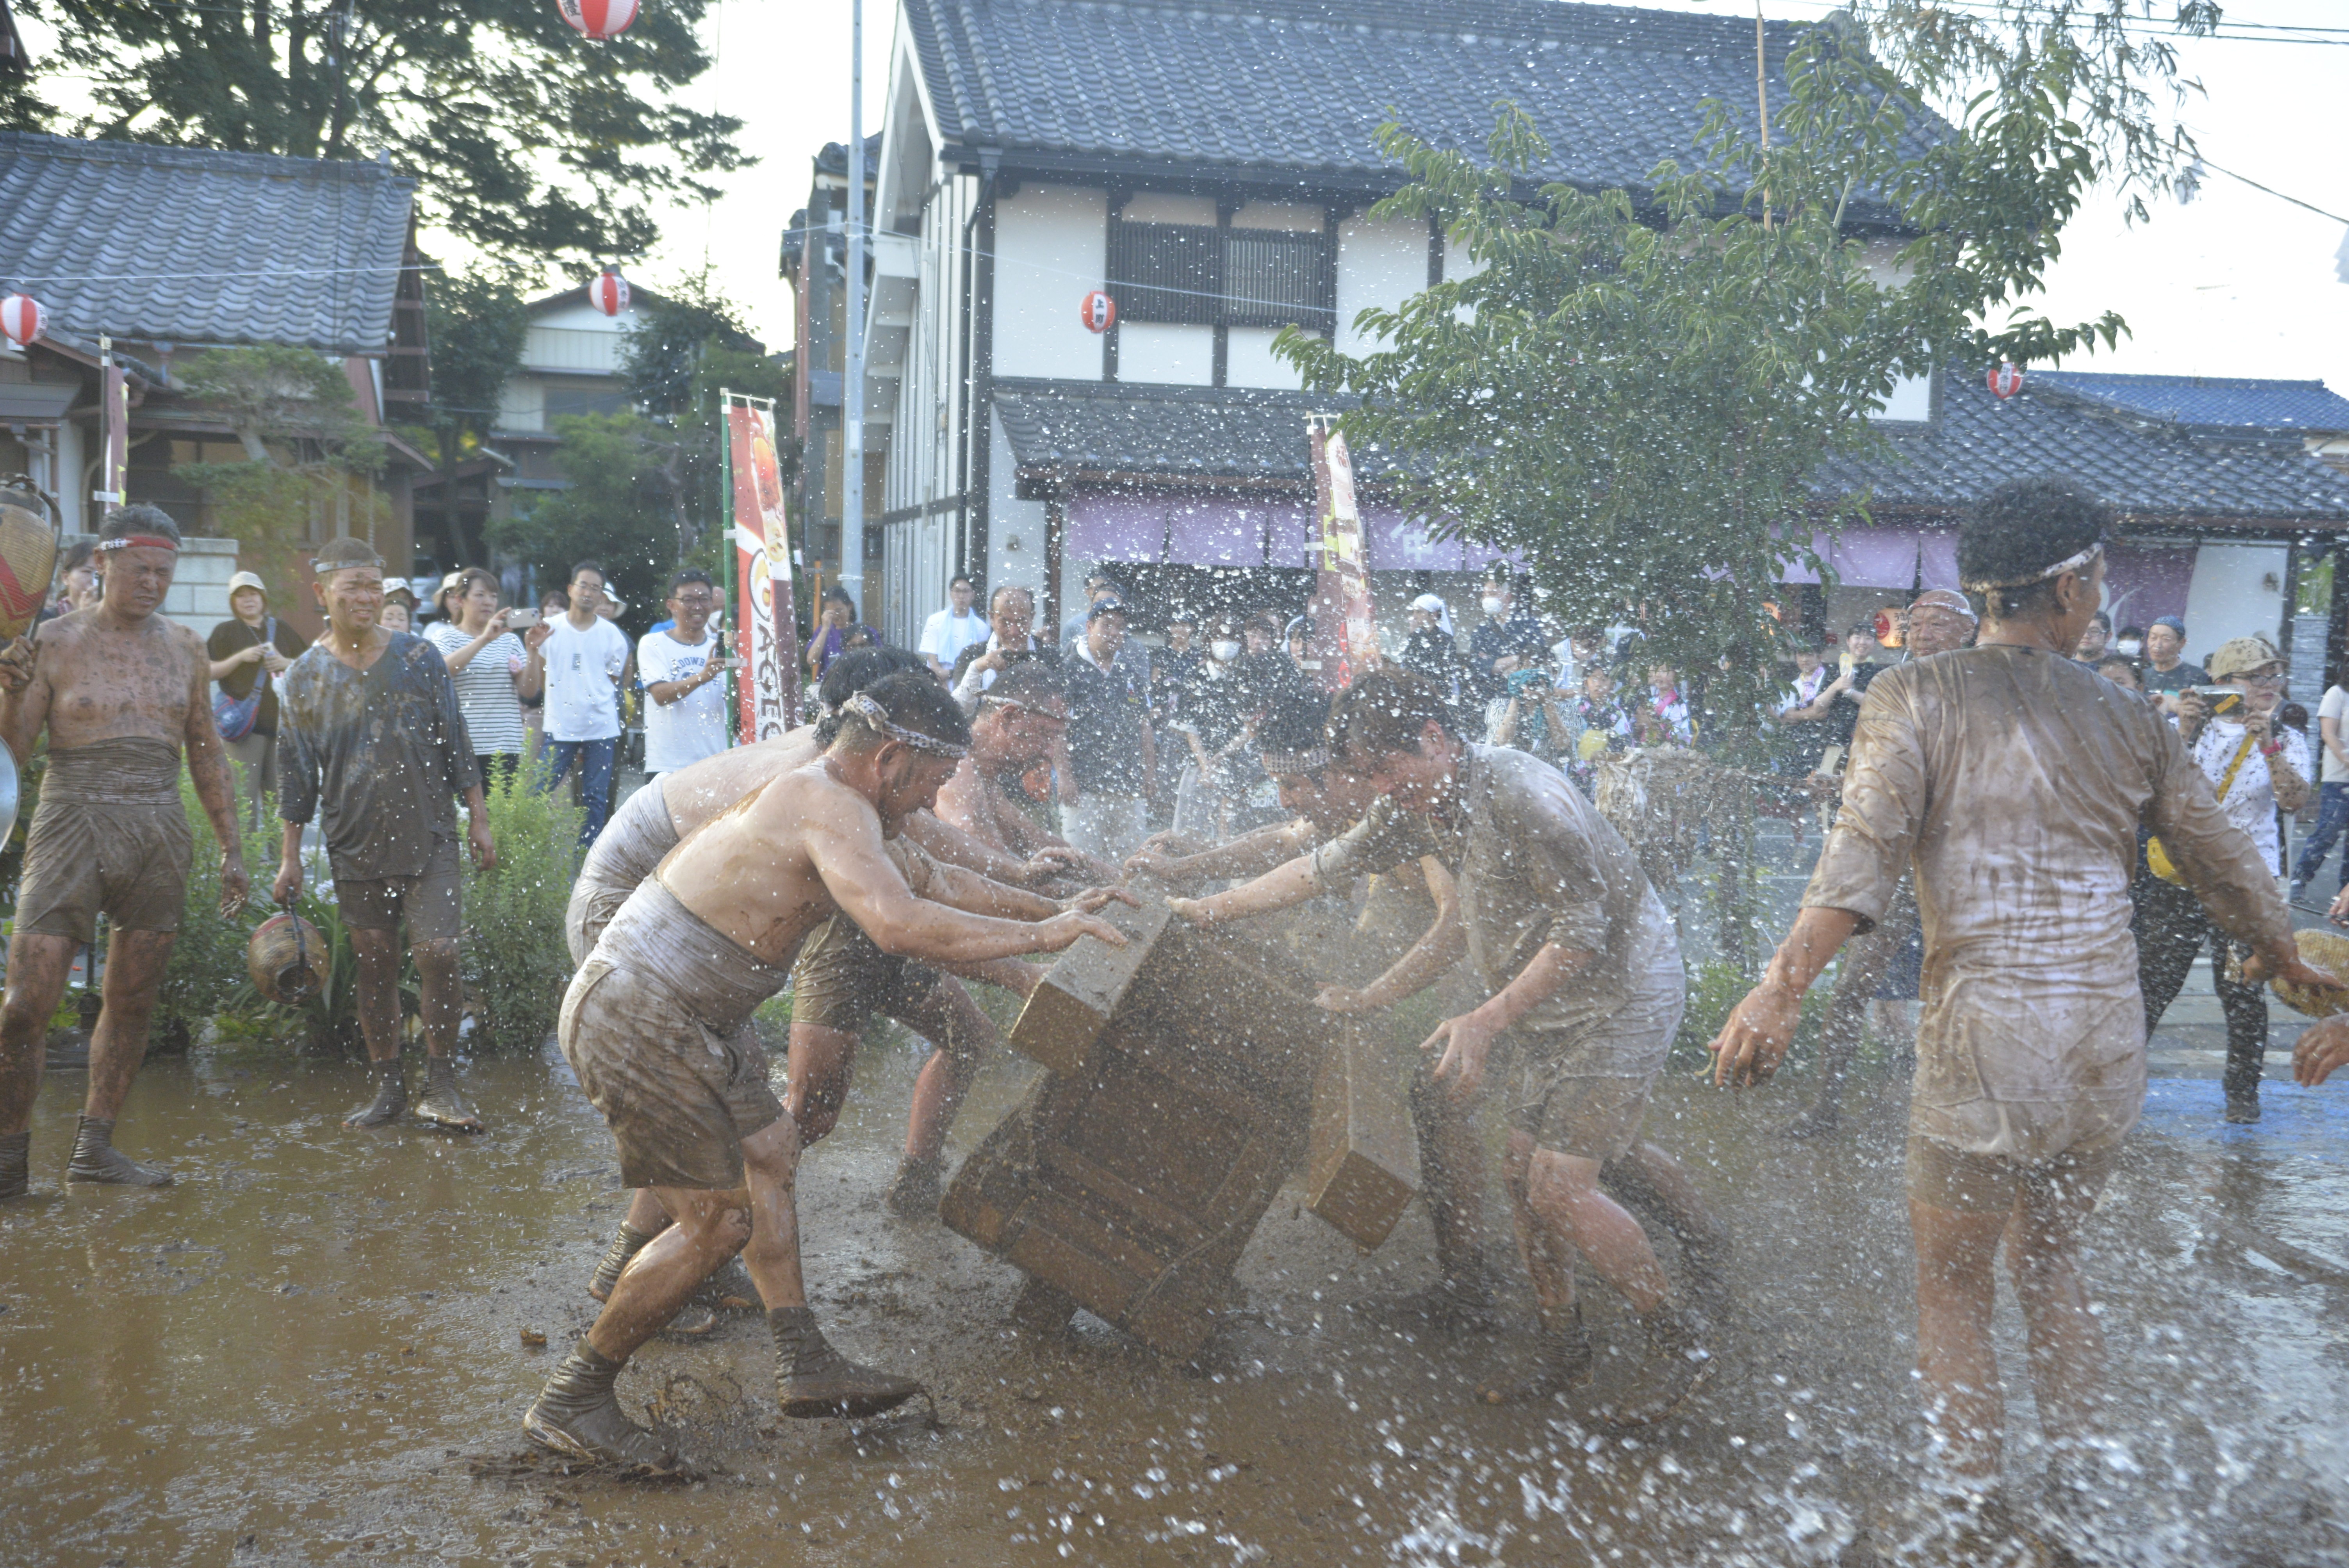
(206,972)
(516,963)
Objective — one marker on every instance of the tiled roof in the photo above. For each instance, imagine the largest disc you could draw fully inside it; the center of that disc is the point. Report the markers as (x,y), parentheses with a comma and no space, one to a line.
(1190,432)
(186,246)
(2213,403)
(1976,441)
(1305,84)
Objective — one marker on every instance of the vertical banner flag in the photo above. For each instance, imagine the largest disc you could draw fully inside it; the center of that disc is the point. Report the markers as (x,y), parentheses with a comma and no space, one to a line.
(114,414)
(765,627)
(1345,633)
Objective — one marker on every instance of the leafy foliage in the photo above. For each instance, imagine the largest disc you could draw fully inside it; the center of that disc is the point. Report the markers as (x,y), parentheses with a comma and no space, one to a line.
(527,137)
(478,321)
(516,963)
(620,509)
(1636,390)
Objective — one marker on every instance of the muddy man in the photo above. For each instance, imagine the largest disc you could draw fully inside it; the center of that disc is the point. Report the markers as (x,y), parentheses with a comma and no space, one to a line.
(650,1023)
(122,691)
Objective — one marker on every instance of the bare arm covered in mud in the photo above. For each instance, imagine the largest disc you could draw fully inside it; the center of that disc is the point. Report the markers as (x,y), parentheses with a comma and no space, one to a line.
(208,771)
(1466,1040)
(950,845)
(968,889)
(1441,946)
(1250,854)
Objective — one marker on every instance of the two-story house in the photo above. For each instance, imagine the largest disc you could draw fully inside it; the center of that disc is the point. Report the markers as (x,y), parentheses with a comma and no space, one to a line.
(1208,165)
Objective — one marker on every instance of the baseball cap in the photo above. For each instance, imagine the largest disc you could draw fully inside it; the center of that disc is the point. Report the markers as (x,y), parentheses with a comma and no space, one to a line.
(248,579)
(1108,604)
(2238,656)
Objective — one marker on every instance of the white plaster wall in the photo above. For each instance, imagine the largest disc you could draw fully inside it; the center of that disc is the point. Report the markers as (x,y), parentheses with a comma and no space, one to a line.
(1380,264)
(2237,591)
(1248,360)
(1911,399)
(1050,247)
(1166,352)
(1015,530)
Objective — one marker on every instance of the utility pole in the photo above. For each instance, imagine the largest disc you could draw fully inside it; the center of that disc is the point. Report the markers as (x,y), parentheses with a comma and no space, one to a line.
(852,384)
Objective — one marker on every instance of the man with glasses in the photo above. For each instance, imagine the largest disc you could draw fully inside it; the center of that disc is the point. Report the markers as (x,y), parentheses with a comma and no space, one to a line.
(1011,613)
(685,720)
(2255,766)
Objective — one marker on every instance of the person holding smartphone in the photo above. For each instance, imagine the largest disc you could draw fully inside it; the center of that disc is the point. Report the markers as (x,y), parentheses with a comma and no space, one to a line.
(685,719)
(493,671)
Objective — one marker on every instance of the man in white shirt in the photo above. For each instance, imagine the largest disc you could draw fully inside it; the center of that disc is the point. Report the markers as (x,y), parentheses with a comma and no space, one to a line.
(2332,793)
(947,633)
(685,719)
(1010,611)
(2255,766)
(585,655)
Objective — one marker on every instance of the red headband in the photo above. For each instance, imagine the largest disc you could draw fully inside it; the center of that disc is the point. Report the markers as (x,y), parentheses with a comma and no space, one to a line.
(134,540)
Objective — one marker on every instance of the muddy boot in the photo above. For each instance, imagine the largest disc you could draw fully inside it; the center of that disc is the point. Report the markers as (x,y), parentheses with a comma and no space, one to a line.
(914,1195)
(440,1104)
(15,1164)
(1465,1303)
(577,1414)
(390,1103)
(1677,1366)
(813,1379)
(623,1252)
(95,1159)
(1563,1365)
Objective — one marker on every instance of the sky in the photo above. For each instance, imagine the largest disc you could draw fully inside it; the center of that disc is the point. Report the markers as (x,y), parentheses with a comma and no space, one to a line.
(2235,282)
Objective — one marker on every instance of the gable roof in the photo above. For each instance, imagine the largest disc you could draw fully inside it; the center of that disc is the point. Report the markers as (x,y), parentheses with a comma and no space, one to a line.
(192,247)
(2216,405)
(1305,84)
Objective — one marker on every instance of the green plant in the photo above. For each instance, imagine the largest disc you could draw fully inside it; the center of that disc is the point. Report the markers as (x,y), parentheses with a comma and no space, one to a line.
(207,969)
(1717,986)
(516,964)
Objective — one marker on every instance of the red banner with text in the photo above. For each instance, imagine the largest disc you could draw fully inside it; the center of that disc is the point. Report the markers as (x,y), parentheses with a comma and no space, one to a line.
(764,623)
(1345,640)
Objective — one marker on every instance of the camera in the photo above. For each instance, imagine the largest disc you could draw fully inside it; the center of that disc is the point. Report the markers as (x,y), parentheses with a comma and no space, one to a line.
(2225,700)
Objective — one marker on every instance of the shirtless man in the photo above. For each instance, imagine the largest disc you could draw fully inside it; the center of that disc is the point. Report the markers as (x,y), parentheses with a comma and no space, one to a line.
(649,825)
(121,691)
(2013,782)
(1013,729)
(649,1024)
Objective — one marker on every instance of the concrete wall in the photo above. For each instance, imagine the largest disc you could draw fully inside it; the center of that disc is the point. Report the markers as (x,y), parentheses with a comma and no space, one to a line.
(199,595)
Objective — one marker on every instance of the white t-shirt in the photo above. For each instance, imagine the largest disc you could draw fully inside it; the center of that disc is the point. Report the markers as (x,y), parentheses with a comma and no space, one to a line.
(2250,803)
(485,687)
(683,732)
(2335,707)
(947,635)
(582,680)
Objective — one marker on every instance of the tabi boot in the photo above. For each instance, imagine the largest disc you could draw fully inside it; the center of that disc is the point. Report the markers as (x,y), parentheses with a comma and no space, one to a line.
(1677,1363)
(1564,1363)
(577,1414)
(95,1159)
(914,1195)
(440,1104)
(813,1379)
(390,1103)
(625,1244)
(15,1164)
(1466,1303)
(2243,1109)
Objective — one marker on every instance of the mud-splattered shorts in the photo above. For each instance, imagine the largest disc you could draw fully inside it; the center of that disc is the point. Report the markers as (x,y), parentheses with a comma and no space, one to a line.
(85,858)
(432,902)
(842,979)
(1575,1097)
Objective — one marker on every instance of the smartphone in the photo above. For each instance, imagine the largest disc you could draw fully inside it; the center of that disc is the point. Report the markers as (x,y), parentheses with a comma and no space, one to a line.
(522,620)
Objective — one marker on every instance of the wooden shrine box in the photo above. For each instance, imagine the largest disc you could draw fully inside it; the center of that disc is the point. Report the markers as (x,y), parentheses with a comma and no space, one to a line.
(1130,1179)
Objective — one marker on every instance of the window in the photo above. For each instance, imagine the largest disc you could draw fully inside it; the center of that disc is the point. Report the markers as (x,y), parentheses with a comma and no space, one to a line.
(1199,275)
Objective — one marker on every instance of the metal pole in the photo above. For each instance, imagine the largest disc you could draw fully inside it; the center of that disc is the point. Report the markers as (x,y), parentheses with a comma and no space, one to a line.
(852,386)
(735,625)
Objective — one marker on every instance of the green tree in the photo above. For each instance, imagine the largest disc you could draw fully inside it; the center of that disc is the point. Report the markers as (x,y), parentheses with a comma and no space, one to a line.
(525,137)
(478,321)
(620,509)
(1638,389)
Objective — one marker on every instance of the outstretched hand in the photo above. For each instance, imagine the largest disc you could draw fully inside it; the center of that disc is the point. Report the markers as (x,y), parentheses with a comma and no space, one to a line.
(1091,900)
(1062,929)
(1344,999)
(2323,1048)
(1052,861)
(1754,1037)
(1465,1041)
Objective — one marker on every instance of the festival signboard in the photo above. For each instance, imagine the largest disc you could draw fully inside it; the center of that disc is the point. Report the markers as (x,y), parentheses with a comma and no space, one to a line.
(1345,639)
(765,629)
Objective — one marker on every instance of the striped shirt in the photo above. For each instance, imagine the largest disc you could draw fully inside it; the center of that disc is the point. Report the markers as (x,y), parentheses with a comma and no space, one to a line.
(485,687)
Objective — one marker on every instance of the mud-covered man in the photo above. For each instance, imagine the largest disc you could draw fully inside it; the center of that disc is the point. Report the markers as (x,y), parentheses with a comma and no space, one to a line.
(121,692)
(376,742)
(649,1023)
(2013,782)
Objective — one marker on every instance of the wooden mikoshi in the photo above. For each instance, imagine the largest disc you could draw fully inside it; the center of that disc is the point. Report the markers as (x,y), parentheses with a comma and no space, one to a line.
(1130,1178)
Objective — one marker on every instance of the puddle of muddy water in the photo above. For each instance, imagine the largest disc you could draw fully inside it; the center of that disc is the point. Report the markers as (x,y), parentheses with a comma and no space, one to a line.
(312,1349)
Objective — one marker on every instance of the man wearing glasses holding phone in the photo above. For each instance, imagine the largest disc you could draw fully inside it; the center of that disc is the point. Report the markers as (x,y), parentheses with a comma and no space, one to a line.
(681,666)
(2255,766)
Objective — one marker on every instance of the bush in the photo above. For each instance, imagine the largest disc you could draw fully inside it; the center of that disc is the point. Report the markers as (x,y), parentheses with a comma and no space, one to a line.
(206,974)
(515,964)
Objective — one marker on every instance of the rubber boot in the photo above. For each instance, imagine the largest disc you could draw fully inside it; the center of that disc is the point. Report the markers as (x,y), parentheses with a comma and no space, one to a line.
(914,1195)
(95,1159)
(813,1379)
(440,1104)
(390,1103)
(15,1164)
(577,1414)
(626,1246)
(1678,1365)
(1564,1363)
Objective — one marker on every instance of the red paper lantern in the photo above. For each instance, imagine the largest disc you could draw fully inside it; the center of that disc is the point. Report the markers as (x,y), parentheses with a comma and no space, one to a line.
(609,292)
(1097,312)
(21,318)
(2006,380)
(597,18)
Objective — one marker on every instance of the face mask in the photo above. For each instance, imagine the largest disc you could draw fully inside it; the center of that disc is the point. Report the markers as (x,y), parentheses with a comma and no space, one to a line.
(1492,603)
(2130,647)
(1224,650)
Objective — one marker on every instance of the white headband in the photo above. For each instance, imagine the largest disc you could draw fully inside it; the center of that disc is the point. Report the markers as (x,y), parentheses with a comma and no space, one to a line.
(876,719)
(2069,563)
